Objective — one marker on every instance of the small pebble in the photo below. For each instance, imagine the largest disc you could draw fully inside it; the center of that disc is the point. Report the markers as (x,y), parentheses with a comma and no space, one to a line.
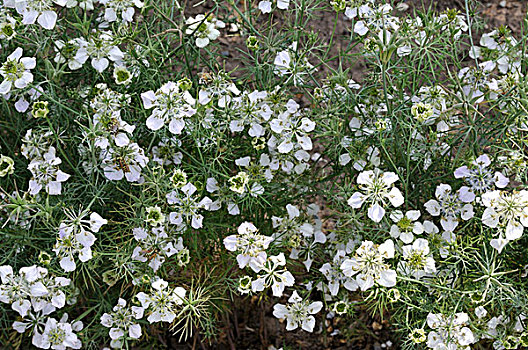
(502,3)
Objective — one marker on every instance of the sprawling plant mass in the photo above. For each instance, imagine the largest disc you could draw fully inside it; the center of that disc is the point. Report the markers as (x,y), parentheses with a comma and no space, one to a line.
(160,162)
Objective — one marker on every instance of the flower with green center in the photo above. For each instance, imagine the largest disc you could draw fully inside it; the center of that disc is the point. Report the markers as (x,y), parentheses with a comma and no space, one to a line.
(393,295)
(406,226)
(7,166)
(368,265)
(506,211)
(449,205)
(244,285)
(122,75)
(252,42)
(239,182)
(178,178)
(7,30)
(154,216)
(183,257)
(121,322)
(204,29)
(185,84)
(16,71)
(40,109)
(418,335)
(340,308)
(417,260)
(422,111)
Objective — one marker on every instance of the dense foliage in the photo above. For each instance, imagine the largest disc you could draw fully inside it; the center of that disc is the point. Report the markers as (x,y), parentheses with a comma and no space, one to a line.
(144,186)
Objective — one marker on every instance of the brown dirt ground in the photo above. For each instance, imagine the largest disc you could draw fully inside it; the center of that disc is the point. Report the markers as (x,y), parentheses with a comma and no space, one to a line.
(251,324)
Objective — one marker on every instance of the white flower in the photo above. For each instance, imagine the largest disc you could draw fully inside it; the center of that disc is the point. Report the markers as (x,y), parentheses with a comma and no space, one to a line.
(369,267)
(417,260)
(170,104)
(250,244)
(376,188)
(292,64)
(121,323)
(335,276)
(46,173)
(126,161)
(76,237)
(449,206)
(271,272)
(72,52)
(406,225)
(101,49)
(479,178)
(291,131)
(203,29)
(163,301)
(298,313)
(33,288)
(187,206)
(16,71)
(265,6)
(38,10)
(87,5)
(507,211)
(123,8)
(155,247)
(216,86)
(295,232)
(58,335)
(250,109)
(450,332)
